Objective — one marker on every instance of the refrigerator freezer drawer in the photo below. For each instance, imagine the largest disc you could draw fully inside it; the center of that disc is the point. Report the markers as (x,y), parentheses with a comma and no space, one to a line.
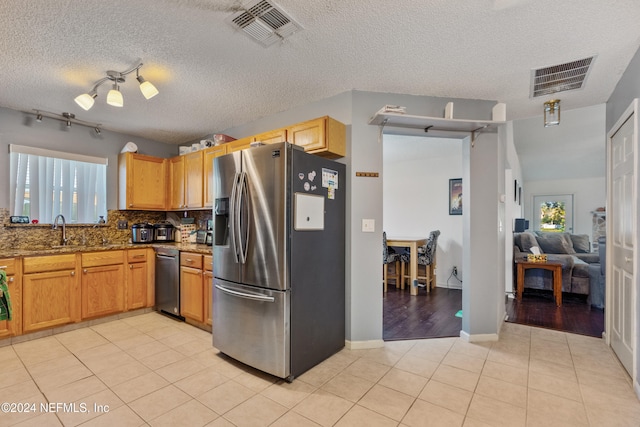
(251,325)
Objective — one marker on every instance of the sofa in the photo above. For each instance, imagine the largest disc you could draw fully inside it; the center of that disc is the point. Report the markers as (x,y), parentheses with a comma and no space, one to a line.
(573,251)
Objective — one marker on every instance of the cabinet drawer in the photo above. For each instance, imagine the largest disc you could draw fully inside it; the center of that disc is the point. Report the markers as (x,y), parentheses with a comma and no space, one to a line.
(8,265)
(136,255)
(208,262)
(192,260)
(48,263)
(93,259)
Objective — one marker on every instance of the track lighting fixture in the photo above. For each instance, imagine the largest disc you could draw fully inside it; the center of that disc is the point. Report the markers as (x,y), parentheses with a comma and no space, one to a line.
(68,118)
(114,97)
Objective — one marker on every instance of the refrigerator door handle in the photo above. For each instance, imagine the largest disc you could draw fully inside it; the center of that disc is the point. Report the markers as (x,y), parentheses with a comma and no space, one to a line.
(263,298)
(243,227)
(234,212)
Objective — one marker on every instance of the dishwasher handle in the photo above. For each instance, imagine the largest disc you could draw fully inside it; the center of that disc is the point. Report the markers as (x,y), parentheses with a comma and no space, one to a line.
(244,295)
(173,258)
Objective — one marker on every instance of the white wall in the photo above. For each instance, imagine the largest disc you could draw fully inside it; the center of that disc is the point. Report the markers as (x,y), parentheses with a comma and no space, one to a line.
(416,173)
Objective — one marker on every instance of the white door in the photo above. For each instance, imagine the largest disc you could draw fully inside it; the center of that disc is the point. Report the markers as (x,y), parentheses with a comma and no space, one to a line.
(565,201)
(621,242)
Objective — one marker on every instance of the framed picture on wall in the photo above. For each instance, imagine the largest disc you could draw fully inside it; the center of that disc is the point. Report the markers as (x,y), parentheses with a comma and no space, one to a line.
(455,196)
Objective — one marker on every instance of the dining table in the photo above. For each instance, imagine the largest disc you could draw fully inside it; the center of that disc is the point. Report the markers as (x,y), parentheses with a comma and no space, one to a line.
(412,243)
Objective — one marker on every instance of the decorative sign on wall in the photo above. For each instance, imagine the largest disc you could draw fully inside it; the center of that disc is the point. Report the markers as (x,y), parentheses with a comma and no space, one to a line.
(368,174)
(455,196)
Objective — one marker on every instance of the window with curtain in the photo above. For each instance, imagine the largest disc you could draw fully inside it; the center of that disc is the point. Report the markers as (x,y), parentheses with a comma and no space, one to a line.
(45,183)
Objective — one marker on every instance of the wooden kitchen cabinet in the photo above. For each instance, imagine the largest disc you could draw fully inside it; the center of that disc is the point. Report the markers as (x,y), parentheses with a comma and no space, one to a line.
(142,182)
(323,136)
(139,276)
(191,286)
(186,173)
(176,178)
(239,144)
(272,137)
(208,155)
(50,292)
(208,289)
(103,283)
(13,327)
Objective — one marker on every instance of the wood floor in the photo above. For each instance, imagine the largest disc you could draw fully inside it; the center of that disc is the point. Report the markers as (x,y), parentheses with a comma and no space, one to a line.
(433,315)
(537,308)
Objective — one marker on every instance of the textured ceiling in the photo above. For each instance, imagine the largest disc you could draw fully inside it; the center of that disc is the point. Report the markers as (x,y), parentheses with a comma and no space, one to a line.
(211,78)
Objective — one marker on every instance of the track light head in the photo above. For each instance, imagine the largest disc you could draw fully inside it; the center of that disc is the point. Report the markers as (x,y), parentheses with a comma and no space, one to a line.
(147,89)
(38,117)
(86,100)
(114,97)
(97,130)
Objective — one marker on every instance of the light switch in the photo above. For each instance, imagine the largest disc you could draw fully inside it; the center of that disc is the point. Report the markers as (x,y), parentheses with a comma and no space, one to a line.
(368,225)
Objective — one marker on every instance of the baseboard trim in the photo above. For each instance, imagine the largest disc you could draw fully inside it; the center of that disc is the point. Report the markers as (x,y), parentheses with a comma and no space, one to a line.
(363,345)
(478,337)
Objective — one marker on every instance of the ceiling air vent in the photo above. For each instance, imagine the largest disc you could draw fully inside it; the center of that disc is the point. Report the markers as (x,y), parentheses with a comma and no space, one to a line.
(264,22)
(560,78)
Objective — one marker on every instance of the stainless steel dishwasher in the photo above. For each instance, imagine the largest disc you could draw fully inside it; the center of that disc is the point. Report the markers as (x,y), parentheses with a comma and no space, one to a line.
(168,282)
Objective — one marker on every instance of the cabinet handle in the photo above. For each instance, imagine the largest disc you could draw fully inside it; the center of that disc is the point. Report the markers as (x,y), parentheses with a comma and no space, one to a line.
(130,266)
(130,205)
(138,256)
(11,279)
(189,260)
(84,271)
(73,273)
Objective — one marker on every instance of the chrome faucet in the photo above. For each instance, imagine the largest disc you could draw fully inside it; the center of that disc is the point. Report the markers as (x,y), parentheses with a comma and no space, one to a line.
(64,228)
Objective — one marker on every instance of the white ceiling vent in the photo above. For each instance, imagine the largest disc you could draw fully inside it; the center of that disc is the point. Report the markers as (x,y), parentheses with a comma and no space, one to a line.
(560,78)
(264,22)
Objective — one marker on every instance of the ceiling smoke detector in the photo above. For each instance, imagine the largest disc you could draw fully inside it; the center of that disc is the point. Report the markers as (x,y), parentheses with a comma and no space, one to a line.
(560,78)
(264,22)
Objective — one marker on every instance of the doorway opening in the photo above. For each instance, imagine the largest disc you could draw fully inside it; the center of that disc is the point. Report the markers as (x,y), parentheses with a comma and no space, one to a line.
(417,173)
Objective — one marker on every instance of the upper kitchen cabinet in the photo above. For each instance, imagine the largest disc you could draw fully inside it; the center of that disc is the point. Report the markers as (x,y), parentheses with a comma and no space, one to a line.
(271,137)
(186,181)
(323,136)
(239,144)
(210,154)
(141,182)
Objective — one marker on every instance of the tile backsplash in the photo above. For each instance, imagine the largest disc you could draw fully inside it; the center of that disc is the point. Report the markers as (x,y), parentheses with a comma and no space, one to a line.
(42,236)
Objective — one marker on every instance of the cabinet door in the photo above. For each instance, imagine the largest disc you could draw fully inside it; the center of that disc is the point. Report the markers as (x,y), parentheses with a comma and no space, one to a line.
(49,299)
(141,180)
(13,327)
(272,137)
(207,176)
(310,134)
(191,293)
(208,297)
(176,189)
(102,290)
(137,285)
(193,180)
(239,144)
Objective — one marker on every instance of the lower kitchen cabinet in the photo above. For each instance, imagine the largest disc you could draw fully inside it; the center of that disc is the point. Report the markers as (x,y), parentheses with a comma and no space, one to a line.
(103,283)
(191,286)
(207,276)
(13,327)
(51,292)
(138,278)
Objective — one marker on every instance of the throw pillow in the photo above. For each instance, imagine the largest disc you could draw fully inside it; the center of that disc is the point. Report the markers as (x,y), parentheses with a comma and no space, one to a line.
(528,240)
(556,243)
(581,243)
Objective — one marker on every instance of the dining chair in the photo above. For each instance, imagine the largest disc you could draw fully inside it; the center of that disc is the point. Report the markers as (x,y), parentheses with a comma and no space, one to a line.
(426,258)
(389,257)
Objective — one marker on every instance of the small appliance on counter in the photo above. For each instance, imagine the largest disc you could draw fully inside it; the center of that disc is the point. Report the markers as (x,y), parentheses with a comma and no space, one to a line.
(142,233)
(163,232)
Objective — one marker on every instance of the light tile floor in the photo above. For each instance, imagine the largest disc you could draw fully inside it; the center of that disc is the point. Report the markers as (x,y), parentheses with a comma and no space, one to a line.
(152,370)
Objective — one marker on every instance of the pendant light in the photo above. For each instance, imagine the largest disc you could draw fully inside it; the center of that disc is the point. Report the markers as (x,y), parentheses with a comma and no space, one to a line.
(552,112)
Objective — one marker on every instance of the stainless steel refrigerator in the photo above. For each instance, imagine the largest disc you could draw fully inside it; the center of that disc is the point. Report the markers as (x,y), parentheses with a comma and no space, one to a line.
(278,258)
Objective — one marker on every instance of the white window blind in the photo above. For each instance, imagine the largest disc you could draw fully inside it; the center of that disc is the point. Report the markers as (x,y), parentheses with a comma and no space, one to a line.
(45,183)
